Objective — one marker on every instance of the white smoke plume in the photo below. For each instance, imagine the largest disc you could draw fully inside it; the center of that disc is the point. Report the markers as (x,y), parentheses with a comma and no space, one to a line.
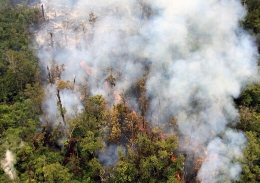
(202,61)
(199,60)
(8,164)
(218,165)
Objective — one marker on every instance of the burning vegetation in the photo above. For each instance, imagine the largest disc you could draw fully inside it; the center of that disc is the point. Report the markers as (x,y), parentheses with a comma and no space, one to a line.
(154,70)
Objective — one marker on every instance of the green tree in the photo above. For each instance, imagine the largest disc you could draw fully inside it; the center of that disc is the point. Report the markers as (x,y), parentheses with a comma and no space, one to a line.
(149,160)
(18,65)
(250,124)
(115,130)
(56,173)
(251,161)
(84,135)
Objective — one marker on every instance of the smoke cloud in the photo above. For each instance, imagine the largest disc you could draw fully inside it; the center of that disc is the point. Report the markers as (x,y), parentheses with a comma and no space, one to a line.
(218,165)
(108,156)
(202,61)
(199,60)
(8,164)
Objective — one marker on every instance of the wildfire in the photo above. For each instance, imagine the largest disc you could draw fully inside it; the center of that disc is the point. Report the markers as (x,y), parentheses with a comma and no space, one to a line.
(91,72)
(117,96)
(173,158)
(178,177)
(199,161)
(199,155)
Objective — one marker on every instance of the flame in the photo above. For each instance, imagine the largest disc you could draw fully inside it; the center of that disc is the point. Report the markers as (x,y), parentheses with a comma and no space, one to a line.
(178,177)
(201,160)
(117,96)
(142,129)
(162,136)
(106,87)
(89,70)
(173,158)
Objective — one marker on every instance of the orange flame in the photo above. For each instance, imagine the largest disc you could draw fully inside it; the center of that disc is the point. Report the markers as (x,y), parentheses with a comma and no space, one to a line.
(89,70)
(142,129)
(173,158)
(178,177)
(106,87)
(162,136)
(117,96)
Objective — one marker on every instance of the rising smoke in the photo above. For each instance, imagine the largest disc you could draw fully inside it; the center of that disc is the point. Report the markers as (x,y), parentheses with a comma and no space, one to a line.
(8,164)
(199,60)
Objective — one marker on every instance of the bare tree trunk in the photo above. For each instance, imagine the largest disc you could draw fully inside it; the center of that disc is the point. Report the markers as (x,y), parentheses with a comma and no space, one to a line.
(60,107)
(43,12)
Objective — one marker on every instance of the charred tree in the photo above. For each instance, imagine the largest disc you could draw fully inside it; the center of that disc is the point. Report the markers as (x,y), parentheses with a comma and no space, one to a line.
(51,36)
(49,75)
(143,100)
(61,109)
(43,16)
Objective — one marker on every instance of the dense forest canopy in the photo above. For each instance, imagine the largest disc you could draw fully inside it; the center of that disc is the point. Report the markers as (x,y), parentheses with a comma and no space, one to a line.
(65,119)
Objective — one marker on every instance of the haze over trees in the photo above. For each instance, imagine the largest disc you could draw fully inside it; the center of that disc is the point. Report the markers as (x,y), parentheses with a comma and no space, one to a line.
(102,142)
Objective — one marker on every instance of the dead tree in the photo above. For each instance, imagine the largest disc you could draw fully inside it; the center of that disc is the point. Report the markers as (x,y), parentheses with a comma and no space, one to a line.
(43,12)
(61,109)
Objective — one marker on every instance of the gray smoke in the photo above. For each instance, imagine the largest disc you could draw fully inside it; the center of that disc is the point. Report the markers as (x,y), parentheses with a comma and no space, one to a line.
(108,156)
(200,59)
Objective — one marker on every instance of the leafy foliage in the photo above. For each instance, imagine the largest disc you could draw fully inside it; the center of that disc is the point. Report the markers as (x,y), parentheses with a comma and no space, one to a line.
(18,65)
(150,160)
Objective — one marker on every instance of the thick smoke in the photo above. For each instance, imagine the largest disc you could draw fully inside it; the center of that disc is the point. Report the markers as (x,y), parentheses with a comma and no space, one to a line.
(218,165)
(8,164)
(199,60)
